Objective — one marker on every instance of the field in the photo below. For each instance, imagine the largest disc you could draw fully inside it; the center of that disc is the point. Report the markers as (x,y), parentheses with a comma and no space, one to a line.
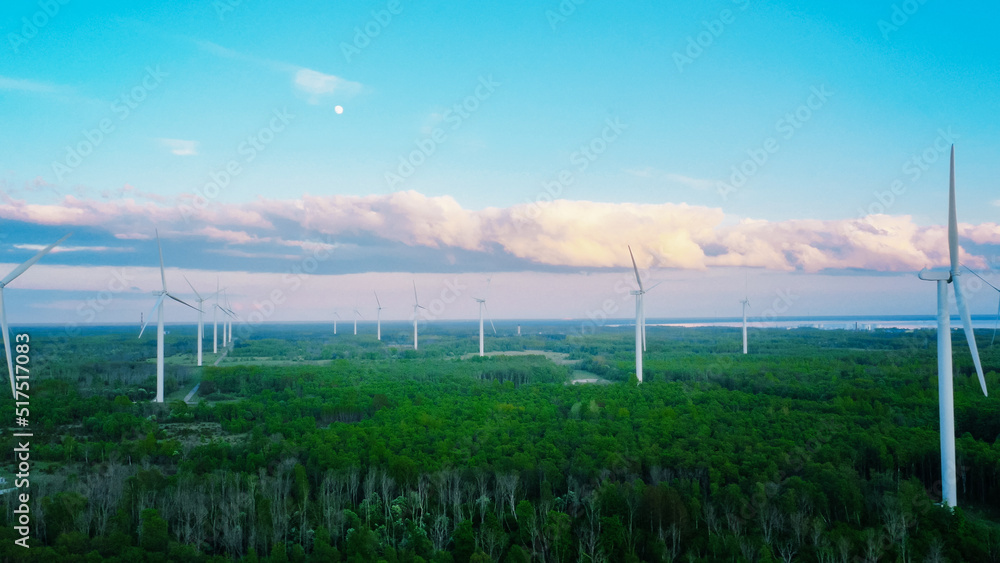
(820,445)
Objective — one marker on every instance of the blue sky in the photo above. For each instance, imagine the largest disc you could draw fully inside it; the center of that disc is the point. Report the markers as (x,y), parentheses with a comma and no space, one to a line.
(853,107)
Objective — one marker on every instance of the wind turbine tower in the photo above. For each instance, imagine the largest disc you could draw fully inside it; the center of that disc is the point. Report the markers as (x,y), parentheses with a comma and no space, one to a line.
(158,308)
(416,305)
(746,303)
(482,306)
(378,317)
(946,398)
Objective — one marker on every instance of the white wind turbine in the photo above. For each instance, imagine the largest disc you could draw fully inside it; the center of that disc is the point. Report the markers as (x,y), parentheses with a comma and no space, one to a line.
(227,327)
(640,317)
(416,305)
(996,323)
(746,303)
(158,308)
(946,398)
(378,317)
(336,316)
(3,312)
(215,319)
(357,314)
(201,324)
(482,306)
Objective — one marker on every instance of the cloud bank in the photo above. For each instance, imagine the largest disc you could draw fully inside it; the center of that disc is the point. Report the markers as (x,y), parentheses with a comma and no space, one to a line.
(577,234)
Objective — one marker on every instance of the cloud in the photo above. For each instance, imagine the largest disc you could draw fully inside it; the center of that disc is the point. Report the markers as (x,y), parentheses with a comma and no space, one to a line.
(180,147)
(648,172)
(62,248)
(23,85)
(558,234)
(314,84)
(317,84)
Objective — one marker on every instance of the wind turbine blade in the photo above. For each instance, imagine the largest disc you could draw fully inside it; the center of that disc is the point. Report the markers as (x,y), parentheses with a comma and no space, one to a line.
(981,277)
(31,261)
(415,300)
(963,310)
(193,289)
(150,315)
(638,280)
(952,218)
(163,276)
(487,309)
(652,286)
(379,303)
(6,343)
(182,302)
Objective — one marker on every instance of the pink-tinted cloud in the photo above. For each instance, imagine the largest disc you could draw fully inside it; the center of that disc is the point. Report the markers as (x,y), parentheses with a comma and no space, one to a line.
(559,233)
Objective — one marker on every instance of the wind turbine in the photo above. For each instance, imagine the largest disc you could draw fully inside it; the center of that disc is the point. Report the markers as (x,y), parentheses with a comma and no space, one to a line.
(356,315)
(336,316)
(378,317)
(746,303)
(482,306)
(158,308)
(3,312)
(640,332)
(232,315)
(946,398)
(215,319)
(996,323)
(416,305)
(201,324)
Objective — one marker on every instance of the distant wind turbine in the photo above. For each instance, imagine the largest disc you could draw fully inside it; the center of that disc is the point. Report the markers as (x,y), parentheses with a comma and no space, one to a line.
(3,312)
(378,317)
(416,305)
(336,316)
(215,319)
(158,308)
(746,303)
(357,314)
(946,398)
(232,316)
(482,306)
(640,317)
(201,324)
(997,321)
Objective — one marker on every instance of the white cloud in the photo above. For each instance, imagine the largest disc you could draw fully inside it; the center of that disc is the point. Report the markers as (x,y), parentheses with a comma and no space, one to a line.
(181,147)
(23,85)
(317,84)
(582,234)
(62,248)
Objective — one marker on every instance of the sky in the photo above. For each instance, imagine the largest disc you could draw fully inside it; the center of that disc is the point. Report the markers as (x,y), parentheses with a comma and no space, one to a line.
(306,156)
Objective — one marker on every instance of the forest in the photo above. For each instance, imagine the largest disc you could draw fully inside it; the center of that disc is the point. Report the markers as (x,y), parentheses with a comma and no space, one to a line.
(301,446)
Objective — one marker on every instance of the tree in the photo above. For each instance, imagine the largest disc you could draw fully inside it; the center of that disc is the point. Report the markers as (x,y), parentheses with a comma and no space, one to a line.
(153,533)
